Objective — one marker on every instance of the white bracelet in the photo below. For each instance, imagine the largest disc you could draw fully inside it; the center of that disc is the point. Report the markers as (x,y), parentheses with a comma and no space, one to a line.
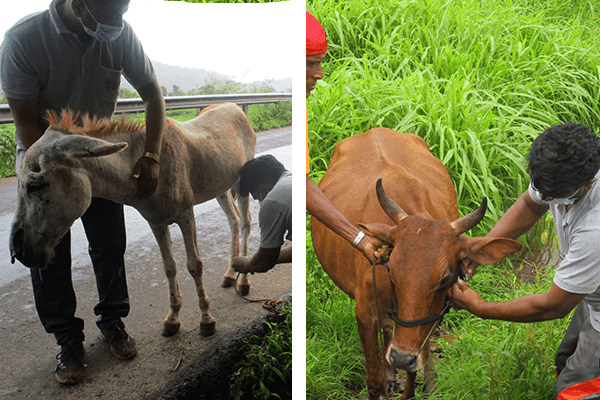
(358,238)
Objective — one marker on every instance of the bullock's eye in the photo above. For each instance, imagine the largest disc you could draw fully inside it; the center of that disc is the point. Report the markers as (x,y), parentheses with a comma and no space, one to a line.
(447,281)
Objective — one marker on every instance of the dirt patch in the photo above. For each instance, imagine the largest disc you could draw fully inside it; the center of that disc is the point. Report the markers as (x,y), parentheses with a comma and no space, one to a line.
(534,263)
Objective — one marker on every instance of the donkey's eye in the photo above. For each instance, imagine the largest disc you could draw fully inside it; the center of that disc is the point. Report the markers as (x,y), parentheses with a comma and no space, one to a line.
(34,187)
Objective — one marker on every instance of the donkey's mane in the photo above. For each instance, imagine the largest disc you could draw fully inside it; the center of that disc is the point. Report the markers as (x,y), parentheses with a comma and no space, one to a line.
(71,122)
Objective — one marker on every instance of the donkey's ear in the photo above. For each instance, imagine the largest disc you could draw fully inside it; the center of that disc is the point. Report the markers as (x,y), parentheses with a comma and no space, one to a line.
(83,146)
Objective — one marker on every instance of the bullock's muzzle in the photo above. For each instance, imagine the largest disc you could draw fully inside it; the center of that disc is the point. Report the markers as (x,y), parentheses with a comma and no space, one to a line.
(403,361)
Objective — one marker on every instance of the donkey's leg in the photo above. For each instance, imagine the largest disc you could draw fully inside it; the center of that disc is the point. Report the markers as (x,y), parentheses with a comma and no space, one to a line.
(163,237)
(194,264)
(233,217)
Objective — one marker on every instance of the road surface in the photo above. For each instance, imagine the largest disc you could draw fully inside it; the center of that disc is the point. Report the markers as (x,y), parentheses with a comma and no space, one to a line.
(28,353)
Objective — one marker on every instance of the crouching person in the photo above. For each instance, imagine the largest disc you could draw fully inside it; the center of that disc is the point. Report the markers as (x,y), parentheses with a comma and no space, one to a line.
(267,180)
(564,164)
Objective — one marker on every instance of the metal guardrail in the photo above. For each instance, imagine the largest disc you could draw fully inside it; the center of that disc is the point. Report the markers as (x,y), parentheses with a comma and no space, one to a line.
(126,106)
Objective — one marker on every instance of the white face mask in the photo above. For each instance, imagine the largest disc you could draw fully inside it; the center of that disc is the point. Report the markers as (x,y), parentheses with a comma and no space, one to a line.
(103,32)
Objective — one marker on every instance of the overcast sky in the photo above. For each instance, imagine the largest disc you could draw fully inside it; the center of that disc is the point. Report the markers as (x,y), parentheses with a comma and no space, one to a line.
(248,42)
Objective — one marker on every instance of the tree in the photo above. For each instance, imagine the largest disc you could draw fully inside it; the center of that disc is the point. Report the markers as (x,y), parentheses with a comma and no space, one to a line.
(125,93)
(177,91)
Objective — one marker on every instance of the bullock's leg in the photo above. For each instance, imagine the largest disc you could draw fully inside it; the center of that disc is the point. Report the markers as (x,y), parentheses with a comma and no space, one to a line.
(430,374)
(163,237)
(390,372)
(367,329)
(194,264)
(233,217)
(409,386)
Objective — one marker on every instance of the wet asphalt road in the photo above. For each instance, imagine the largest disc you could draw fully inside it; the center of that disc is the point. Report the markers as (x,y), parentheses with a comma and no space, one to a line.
(27,352)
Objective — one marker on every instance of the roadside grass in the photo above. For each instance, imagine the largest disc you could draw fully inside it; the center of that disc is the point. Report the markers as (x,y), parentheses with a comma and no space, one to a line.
(265,372)
(478,80)
(8,150)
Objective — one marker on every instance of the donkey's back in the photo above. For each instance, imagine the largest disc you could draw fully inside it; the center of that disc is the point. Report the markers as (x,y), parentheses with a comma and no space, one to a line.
(201,158)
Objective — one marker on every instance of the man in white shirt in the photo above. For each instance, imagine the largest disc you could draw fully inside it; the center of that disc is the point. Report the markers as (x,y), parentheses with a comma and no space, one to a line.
(564,164)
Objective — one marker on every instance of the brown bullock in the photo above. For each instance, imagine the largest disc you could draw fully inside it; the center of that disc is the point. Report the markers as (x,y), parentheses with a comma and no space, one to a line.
(419,220)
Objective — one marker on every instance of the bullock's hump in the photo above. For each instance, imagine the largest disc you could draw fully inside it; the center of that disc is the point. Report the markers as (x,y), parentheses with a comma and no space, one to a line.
(366,155)
(381,145)
(411,174)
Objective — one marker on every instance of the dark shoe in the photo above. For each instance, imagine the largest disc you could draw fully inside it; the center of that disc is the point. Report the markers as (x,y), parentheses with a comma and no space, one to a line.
(70,363)
(121,344)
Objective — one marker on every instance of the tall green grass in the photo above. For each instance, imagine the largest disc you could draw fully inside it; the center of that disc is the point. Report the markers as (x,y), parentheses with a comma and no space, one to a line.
(478,80)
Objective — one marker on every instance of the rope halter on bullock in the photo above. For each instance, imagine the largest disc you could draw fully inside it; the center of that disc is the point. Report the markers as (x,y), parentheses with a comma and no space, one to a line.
(395,212)
(417,322)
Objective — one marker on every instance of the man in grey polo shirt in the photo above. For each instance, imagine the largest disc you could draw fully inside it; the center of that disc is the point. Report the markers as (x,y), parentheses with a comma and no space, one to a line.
(267,180)
(564,164)
(72,56)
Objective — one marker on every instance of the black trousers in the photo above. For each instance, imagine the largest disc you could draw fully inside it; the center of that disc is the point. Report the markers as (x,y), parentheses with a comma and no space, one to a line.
(55,300)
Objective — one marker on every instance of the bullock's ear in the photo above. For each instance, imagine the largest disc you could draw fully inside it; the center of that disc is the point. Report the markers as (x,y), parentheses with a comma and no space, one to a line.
(385,233)
(83,146)
(490,250)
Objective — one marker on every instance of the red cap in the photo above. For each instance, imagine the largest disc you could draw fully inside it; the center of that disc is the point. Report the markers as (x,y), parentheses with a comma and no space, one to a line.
(316,40)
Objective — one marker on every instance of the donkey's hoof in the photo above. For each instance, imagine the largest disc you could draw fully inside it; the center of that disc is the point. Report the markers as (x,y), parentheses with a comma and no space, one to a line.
(228,281)
(207,329)
(170,329)
(244,289)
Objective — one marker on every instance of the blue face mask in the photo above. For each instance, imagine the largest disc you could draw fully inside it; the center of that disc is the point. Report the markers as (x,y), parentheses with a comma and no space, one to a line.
(103,32)
(565,202)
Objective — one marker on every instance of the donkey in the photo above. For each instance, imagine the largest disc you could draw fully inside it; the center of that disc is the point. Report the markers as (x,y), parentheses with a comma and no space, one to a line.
(200,160)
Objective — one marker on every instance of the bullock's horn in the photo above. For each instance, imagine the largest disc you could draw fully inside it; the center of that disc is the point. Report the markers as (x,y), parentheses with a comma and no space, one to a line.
(471,220)
(393,210)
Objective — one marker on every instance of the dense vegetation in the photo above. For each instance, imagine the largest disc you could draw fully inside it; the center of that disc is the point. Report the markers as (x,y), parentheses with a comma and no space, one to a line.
(265,372)
(478,80)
